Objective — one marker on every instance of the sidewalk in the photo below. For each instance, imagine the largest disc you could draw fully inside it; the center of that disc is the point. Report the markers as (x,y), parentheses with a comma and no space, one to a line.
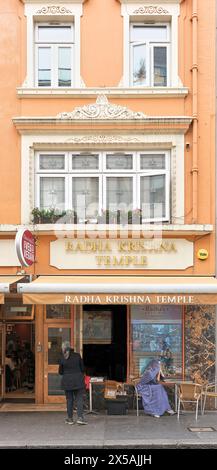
(48,430)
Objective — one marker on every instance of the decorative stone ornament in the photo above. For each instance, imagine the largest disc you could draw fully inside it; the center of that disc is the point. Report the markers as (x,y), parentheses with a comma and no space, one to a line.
(102,109)
(151,10)
(53,10)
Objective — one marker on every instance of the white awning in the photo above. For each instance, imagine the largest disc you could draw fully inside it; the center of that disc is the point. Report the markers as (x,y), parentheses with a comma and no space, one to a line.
(6,281)
(53,289)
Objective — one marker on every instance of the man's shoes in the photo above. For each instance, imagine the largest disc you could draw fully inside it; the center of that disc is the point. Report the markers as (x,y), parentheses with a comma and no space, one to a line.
(69,421)
(81,421)
(171,412)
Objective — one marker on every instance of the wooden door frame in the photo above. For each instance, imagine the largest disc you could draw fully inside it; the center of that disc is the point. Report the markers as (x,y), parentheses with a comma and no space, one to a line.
(54,367)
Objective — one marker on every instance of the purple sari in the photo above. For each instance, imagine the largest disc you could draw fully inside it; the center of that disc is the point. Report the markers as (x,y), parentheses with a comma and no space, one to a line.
(154,396)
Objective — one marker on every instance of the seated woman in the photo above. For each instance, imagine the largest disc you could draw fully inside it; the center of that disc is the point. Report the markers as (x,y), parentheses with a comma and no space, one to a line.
(154,397)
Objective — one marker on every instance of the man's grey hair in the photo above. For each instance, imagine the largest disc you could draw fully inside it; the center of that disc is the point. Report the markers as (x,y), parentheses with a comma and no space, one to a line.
(66,347)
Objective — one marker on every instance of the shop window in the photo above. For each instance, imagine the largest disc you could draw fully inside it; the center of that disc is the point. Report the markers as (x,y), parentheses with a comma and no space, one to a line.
(58,312)
(150,50)
(14,309)
(90,184)
(54,55)
(156,333)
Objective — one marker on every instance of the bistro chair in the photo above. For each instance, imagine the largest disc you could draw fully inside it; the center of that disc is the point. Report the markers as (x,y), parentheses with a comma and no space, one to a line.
(210,392)
(189,393)
(137,396)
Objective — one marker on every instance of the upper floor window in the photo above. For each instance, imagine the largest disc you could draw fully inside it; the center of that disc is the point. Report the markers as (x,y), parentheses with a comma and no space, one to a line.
(54,60)
(91,182)
(150,51)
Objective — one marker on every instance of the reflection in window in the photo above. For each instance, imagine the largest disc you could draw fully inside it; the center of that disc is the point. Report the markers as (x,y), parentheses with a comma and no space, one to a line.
(56,336)
(156,332)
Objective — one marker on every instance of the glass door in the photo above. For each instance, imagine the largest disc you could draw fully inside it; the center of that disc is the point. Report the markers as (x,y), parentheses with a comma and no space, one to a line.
(55,334)
(1,363)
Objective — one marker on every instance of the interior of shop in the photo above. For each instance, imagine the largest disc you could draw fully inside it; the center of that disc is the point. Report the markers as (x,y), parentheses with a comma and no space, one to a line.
(105,341)
(19,360)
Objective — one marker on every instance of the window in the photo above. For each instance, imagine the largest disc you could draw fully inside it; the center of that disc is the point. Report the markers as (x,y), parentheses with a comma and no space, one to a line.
(150,54)
(54,55)
(91,182)
(156,332)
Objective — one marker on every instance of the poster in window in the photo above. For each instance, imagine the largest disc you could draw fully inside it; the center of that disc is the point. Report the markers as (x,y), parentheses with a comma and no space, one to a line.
(97,327)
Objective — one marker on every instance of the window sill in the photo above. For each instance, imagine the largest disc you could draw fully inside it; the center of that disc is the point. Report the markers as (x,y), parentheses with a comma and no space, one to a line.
(116,92)
(171,229)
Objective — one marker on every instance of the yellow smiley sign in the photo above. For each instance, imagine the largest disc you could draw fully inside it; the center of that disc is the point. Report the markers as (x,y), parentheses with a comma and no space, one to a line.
(202,254)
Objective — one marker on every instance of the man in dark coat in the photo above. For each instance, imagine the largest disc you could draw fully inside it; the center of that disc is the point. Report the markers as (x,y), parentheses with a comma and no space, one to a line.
(72,370)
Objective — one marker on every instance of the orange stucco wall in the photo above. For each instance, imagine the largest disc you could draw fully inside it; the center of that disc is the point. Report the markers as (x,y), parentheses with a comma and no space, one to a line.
(102,66)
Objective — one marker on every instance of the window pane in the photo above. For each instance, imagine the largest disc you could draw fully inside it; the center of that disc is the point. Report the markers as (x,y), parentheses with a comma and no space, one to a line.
(149,33)
(64,68)
(52,193)
(139,65)
(52,162)
(56,336)
(156,332)
(160,66)
(152,194)
(54,385)
(55,34)
(85,162)
(85,196)
(152,162)
(44,66)
(119,190)
(59,312)
(119,162)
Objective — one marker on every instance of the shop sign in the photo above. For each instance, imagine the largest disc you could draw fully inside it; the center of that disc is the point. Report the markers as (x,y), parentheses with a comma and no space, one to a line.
(25,247)
(113,254)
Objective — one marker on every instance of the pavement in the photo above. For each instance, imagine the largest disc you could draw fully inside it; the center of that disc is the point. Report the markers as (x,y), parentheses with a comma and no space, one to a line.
(48,430)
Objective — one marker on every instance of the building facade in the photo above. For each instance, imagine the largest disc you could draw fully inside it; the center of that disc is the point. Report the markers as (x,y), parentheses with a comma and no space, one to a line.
(108,157)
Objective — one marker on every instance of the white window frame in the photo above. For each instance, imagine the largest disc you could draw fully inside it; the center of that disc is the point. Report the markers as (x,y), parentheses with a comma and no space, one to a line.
(86,175)
(41,171)
(49,175)
(103,174)
(54,47)
(150,54)
(117,170)
(131,175)
(84,170)
(148,172)
(131,14)
(35,15)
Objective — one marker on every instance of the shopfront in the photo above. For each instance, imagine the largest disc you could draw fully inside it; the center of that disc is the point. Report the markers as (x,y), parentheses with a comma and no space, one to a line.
(118,333)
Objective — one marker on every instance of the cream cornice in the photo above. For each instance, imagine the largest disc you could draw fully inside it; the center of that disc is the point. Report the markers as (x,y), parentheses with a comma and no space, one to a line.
(116,92)
(167,229)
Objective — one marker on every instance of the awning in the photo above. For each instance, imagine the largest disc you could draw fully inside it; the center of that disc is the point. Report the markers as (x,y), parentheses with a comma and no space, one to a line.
(5,282)
(120,290)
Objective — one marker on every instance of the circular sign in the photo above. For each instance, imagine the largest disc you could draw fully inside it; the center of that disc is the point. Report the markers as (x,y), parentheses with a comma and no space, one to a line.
(202,254)
(25,247)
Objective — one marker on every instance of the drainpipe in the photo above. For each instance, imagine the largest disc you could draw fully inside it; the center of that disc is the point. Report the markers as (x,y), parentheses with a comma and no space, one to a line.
(195,112)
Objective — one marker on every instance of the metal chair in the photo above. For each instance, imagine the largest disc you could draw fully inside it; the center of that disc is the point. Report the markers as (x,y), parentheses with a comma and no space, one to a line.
(137,395)
(210,392)
(189,393)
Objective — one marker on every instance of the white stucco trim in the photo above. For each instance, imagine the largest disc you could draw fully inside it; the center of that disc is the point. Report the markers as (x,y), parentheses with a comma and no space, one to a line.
(32,141)
(131,12)
(39,11)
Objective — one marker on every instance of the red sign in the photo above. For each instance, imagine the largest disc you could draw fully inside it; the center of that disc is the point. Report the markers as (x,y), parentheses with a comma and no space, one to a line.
(25,247)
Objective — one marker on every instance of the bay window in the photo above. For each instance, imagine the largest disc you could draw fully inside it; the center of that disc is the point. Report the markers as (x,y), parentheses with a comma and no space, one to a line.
(150,49)
(54,55)
(89,183)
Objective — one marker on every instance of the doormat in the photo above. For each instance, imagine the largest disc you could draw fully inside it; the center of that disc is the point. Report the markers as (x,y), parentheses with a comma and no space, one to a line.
(204,429)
